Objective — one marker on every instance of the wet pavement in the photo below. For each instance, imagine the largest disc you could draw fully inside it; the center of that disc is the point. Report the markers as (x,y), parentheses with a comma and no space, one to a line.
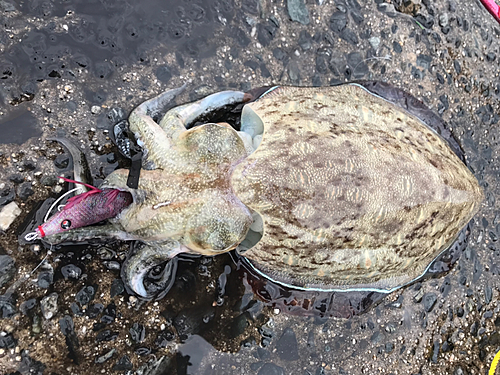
(74,68)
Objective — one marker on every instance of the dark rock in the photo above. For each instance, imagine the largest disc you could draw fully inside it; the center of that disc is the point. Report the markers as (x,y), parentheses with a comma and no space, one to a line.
(45,279)
(70,271)
(338,21)
(7,195)
(109,314)
(26,307)
(305,40)
(425,21)
(266,32)
(460,311)
(123,364)
(271,369)
(61,161)
(429,301)
(137,333)
(48,180)
(287,347)
(7,307)
(488,294)
(298,11)
(16,178)
(164,338)
(264,71)
(25,191)
(85,295)
(491,56)
(7,342)
(117,288)
(323,56)
(397,47)
(456,65)
(435,352)
(103,358)
(279,54)
(94,310)
(7,269)
(30,165)
(106,335)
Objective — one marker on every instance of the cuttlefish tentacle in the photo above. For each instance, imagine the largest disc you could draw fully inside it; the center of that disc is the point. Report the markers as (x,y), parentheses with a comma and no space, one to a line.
(138,265)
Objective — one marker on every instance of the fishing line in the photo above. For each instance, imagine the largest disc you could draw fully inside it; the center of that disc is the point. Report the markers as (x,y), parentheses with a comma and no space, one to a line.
(57,201)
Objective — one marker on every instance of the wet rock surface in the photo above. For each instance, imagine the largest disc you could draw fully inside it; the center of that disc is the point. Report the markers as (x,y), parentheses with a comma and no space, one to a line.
(74,68)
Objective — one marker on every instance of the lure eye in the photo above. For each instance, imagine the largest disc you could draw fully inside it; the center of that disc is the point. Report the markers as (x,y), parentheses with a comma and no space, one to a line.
(66,224)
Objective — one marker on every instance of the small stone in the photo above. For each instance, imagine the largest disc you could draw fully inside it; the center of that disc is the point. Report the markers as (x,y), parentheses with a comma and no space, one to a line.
(106,335)
(374,42)
(49,305)
(103,358)
(397,47)
(123,364)
(443,19)
(25,191)
(85,295)
(70,271)
(7,307)
(430,300)
(298,11)
(61,161)
(137,333)
(48,180)
(27,306)
(94,310)
(8,214)
(117,288)
(95,109)
(7,269)
(45,279)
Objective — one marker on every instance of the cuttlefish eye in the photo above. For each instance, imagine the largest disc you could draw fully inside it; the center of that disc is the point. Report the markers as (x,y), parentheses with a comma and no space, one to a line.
(66,224)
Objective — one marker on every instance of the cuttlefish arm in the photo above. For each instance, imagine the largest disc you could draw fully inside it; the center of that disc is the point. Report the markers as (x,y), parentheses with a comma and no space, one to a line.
(139,263)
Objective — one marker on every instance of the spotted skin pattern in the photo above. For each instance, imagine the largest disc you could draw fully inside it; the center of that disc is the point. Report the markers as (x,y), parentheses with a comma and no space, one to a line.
(353,191)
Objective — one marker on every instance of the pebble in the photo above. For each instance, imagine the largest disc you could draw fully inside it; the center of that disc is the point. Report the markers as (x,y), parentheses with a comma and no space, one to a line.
(117,288)
(287,347)
(137,333)
(45,279)
(70,271)
(61,161)
(27,306)
(49,305)
(429,300)
(7,269)
(95,109)
(85,295)
(7,307)
(103,358)
(7,195)
(8,214)
(25,191)
(123,364)
(298,11)
(374,42)
(106,335)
